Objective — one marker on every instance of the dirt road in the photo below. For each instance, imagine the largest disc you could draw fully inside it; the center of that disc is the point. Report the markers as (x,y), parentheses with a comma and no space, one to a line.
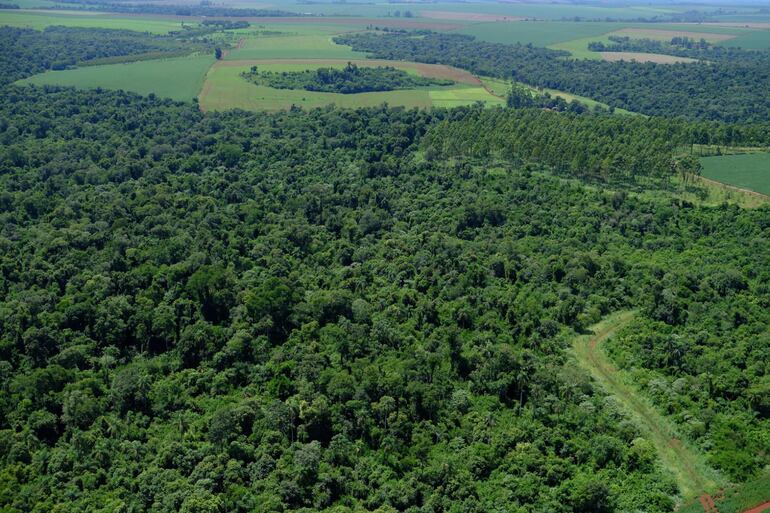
(688,466)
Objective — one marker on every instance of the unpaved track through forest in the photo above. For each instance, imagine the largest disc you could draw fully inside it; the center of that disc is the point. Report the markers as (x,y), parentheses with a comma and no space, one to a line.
(688,466)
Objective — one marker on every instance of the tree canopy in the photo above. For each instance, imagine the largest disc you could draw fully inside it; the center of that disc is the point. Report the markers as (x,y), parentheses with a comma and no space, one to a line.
(251,312)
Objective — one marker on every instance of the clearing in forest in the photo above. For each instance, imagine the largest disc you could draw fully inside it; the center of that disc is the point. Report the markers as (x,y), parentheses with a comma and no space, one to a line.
(688,466)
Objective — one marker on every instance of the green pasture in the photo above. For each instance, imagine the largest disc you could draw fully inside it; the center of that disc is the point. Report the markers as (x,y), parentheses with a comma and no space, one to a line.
(459,96)
(748,171)
(179,78)
(292,47)
(574,37)
(528,10)
(539,33)
(750,40)
(39,21)
(33,4)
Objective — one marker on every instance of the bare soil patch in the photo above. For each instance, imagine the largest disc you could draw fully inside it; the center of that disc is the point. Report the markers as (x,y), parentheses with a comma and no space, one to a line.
(658,58)
(759,509)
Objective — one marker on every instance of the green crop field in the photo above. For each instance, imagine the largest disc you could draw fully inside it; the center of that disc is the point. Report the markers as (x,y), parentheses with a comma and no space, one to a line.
(292,47)
(750,39)
(539,33)
(89,20)
(531,10)
(579,47)
(575,36)
(747,171)
(463,96)
(178,78)
(224,88)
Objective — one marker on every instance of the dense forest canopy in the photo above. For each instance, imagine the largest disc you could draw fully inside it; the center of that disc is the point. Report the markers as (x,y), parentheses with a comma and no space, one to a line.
(736,90)
(350,79)
(237,312)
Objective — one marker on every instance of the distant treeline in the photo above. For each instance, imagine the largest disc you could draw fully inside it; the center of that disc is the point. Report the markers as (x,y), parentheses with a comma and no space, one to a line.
(178,10)
(24,52)
(734,91)
(226,24)
(684,47)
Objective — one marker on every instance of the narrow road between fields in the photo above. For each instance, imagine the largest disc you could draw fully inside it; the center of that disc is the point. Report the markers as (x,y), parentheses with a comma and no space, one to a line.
(688,466)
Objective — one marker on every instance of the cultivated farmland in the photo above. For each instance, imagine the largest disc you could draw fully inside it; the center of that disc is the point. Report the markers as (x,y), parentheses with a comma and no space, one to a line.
(88,20)
(178,78)
(746,171)
(293,47)
(224,88)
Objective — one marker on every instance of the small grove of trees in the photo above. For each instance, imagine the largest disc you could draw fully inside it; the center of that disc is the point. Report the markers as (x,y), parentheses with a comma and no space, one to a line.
(350,79)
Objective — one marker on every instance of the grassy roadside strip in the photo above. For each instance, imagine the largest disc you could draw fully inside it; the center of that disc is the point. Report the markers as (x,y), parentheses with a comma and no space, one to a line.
(689,467)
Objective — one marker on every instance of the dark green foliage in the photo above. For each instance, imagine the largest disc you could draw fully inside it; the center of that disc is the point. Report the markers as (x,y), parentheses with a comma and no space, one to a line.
(24,52)
(350,79)
(239,312)
(726,90)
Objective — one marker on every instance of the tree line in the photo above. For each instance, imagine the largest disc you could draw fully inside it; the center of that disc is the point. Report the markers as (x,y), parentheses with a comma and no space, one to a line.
(684,47)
